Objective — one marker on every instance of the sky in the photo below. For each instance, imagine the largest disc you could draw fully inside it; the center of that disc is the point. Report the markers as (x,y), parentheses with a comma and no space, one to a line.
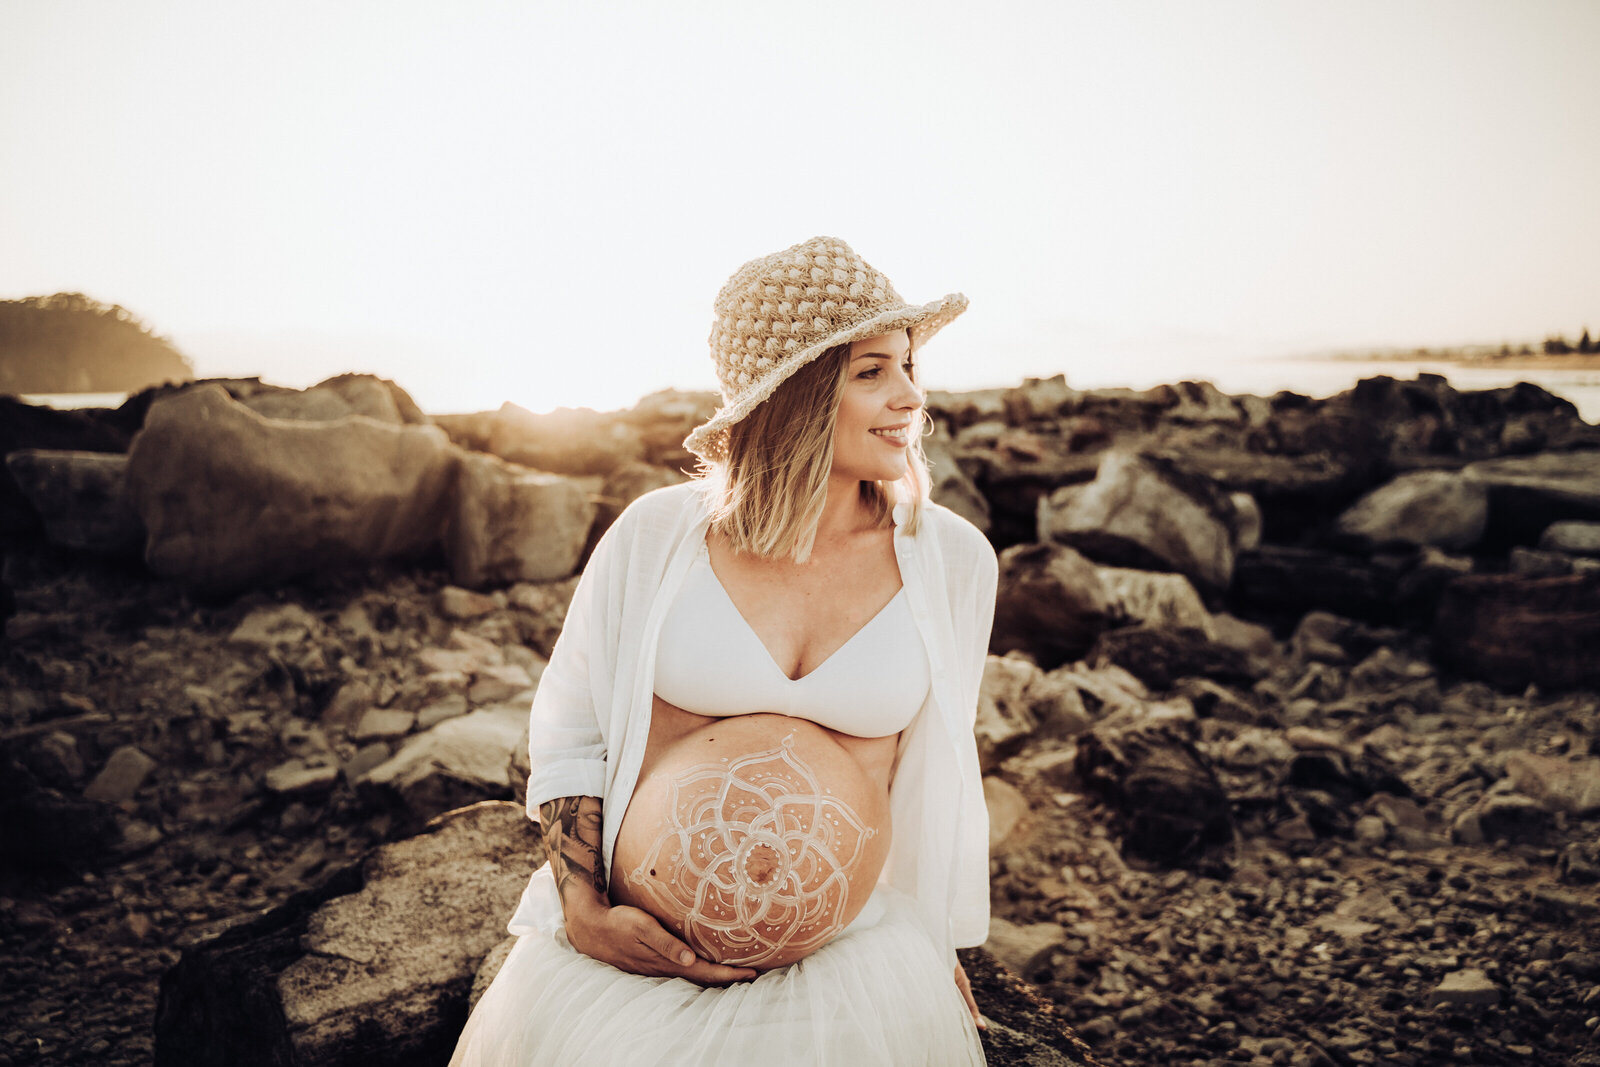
(537,202)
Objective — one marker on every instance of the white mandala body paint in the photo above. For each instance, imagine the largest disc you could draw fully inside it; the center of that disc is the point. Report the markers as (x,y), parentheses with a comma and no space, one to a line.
(755,857)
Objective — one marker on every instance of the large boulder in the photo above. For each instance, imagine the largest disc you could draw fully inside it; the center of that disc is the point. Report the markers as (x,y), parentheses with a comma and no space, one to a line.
(230,499)
(460,761)
(951,486)
(1159,656)
(1050,604)
(1144,513)
(1151,598)
(566,441)
(1439,508)
(81,497)
(1528,493)
(512,524)
(622,487)
(373,967)
(1510,630)
(1169,801)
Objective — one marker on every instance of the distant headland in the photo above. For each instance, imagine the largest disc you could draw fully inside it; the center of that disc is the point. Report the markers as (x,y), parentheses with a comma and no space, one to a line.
(71,343)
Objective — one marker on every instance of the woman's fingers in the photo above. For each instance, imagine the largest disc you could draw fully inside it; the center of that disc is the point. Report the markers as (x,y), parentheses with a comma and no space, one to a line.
(664,944)
(966,994)
(678,959)
(705,972)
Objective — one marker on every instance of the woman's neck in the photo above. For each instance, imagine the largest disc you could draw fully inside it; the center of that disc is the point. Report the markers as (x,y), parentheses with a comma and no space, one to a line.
(844,513)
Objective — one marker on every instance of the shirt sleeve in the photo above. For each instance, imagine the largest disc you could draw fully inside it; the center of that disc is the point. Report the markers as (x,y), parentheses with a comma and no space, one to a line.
(566,739)
(974,618)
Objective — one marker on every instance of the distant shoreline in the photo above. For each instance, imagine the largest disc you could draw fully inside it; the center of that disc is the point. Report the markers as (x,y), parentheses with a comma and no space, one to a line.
(1514,361)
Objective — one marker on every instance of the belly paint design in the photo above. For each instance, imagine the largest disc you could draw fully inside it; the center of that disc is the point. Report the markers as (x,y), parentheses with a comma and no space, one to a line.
(754,857)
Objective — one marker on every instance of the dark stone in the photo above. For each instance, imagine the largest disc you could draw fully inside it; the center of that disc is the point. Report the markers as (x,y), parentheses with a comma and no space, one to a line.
(1050,604)
(1510,631)
(1160,656)
(1024,1030)
(1162,786)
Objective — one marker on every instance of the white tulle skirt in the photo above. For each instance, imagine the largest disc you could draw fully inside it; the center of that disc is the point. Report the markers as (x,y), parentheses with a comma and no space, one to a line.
(879,993)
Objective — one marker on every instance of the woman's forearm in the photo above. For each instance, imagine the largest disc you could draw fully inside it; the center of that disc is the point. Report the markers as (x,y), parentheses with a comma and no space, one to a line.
(570,827)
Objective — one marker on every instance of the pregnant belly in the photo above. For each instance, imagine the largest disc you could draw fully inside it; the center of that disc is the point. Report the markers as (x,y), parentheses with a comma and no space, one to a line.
(755,838)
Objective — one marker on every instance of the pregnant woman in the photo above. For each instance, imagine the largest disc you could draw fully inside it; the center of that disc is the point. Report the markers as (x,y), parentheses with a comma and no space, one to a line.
(752,750)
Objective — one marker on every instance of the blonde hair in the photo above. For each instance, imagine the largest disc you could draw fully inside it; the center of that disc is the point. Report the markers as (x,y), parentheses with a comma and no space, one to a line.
(766,497)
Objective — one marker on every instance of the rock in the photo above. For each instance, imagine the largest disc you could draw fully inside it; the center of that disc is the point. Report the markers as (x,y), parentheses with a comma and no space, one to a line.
(335,398)
(383,724)
(565,441)
(1022,948)
(1247,521)
(46,829)
(1144,513)
(296,780)
(1370,830)
(496,684)
(487,970)
(1465,988)
(1007,807)
(512,524)
(367,968)
(1511,631)
(460,761)
(1535,563)
(1571,786)
(1508,818)
(541,609)
(1528,493)
(1151,599)
(1440,508)
(275,626)
(1286,582)
(1102,691)
(458,603)
(1024,1029)
(349,702)
(1160,656)
(1162,786)
(1050,604)
(951,487)
(121,777)
(1004,718)
(365,759)
(622,487)
(1573,538)
(82,499)
(446,707)
(231,499)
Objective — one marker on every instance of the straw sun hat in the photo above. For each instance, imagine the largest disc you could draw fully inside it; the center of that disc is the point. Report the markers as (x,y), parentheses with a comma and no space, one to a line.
(780,312)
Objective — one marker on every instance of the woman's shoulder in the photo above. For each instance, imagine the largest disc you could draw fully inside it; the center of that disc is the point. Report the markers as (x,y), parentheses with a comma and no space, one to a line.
(664,508)
(955,534)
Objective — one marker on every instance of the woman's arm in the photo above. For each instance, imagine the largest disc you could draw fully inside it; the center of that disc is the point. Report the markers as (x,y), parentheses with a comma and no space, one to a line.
(627,938)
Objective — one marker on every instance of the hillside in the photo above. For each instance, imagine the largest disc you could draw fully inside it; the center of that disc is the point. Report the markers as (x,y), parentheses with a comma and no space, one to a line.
(70,343)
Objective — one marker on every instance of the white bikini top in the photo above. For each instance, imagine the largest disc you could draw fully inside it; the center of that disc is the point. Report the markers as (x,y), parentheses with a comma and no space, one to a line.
(709,661)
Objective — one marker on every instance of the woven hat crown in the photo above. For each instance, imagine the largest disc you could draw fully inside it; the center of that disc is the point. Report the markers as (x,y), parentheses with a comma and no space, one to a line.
(779,312)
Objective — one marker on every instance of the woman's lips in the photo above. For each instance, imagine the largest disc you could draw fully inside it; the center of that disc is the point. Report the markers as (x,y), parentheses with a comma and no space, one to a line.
(897,436)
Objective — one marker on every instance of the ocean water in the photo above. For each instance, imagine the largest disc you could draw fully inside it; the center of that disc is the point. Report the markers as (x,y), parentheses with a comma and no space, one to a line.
(1258,376)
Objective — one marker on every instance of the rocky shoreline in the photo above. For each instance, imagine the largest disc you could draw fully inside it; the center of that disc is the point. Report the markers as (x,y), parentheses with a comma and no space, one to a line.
(1291,737)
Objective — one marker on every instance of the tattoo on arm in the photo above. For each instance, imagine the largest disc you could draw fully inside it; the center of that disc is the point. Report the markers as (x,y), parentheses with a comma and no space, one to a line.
(571,830)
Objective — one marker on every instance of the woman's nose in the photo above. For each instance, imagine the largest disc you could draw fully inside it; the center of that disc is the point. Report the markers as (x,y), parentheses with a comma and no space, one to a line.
(909,394)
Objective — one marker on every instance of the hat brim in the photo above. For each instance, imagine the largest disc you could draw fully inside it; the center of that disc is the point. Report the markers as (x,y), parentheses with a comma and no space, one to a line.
(709,441)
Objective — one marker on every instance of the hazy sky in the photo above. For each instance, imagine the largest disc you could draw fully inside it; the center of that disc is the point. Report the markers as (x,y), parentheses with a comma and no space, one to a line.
(538,201)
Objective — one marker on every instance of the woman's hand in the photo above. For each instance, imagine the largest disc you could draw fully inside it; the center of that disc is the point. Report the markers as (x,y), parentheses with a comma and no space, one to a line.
(966,995)
(632,940)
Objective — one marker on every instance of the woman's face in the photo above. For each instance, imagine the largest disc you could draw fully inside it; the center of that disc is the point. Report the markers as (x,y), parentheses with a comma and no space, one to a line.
(877,411)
